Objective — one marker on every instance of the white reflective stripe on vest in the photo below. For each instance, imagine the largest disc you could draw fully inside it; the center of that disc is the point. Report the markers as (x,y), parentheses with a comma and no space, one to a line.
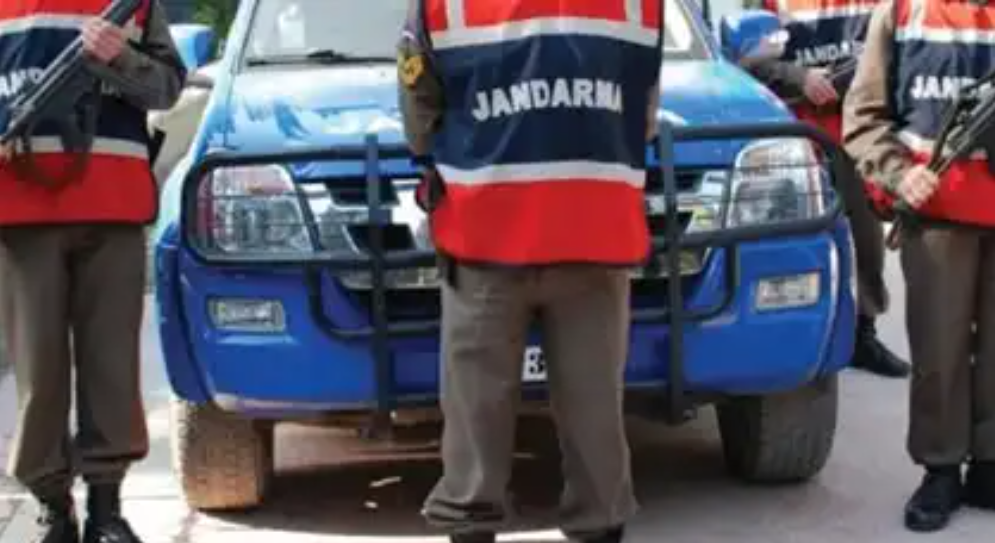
(553,26)
(42,21)
(634,11)
(916,30)
(945,35)
(920,145)
(810,15)
(460,35)
(455,14)
(101,146)
(540,173)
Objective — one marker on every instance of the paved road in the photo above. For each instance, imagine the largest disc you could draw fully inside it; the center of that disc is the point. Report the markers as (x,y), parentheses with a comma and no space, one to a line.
(324,495)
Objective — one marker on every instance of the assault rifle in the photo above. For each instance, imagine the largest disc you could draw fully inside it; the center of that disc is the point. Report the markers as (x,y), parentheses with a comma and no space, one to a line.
(968,126)
(67,94)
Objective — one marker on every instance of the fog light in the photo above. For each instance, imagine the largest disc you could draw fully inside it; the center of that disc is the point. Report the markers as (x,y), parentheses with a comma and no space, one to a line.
(787,292)
(241,315)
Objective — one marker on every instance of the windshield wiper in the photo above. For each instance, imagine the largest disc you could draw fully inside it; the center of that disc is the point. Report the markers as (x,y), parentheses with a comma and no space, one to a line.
(317,56)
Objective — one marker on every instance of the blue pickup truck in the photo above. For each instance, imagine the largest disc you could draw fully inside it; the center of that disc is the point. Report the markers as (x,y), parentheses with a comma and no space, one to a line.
(295,279)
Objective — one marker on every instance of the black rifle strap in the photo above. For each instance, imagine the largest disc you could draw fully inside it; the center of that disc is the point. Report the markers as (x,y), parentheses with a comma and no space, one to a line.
(156,142)
(77,133)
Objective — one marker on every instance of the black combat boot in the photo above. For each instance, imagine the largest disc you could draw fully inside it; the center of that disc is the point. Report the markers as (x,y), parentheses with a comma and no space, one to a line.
(871,355)
(939,496)
(474,537)
(614,534)
(104,523)
(980,487)
(57,521)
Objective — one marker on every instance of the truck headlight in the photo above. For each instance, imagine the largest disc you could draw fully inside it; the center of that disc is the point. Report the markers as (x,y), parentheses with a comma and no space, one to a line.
(775,181)
(252,210)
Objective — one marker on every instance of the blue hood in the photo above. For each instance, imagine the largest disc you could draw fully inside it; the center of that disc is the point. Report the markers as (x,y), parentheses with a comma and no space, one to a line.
(285,109)
(281,109)
(716,92)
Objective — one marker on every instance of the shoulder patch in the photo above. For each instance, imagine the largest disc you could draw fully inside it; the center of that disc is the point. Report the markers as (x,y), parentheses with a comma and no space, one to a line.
(411,67)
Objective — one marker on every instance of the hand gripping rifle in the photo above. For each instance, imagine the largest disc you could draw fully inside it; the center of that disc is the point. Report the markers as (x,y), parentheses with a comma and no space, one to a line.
(840,75)
(968,126)
(67,95)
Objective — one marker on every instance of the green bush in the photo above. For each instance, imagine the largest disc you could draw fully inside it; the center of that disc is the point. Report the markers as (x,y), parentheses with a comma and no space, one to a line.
(217,14)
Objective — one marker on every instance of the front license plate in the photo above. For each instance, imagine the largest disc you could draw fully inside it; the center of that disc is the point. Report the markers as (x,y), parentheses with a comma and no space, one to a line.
(534,365)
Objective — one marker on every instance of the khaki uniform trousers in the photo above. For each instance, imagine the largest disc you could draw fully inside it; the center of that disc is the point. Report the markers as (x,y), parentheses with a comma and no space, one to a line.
(72,299)
(583,311)
(950,277)
(868,240)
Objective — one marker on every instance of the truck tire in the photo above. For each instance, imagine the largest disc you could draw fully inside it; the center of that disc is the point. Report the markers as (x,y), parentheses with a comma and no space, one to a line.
(224,462)
(783,438)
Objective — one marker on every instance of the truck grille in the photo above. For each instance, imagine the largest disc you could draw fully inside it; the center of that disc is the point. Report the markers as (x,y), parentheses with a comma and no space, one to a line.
(687,180)
(409,227)
(416,304)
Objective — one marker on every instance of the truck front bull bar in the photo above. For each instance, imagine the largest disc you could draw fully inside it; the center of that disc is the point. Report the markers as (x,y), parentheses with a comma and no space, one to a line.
(377,260)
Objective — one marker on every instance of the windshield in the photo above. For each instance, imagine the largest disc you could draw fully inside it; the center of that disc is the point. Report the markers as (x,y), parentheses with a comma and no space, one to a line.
(364,29)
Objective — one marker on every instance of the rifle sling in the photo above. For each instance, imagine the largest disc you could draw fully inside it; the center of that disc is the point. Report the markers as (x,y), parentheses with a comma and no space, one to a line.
(76,135)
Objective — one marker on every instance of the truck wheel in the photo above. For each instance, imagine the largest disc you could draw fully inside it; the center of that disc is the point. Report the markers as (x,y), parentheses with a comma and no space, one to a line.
(783,438)
(224,462)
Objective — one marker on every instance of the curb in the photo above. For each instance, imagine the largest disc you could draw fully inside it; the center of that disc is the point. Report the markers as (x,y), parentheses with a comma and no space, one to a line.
(10,506)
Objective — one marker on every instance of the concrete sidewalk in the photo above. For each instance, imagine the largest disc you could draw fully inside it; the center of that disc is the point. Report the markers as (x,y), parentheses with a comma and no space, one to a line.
(10,495)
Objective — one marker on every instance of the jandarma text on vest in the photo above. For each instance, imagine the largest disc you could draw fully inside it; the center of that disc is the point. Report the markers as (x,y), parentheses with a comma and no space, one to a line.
(931,87)
(825,54)
(12,82)
(541,94)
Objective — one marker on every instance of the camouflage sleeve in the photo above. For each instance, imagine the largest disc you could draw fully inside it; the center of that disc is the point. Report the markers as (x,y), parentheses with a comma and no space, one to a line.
(149,73)
(786,79)
(868,113)
(421,92)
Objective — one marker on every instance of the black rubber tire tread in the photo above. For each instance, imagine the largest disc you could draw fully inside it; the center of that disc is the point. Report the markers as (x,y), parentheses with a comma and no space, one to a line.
(783,438)
(224,462)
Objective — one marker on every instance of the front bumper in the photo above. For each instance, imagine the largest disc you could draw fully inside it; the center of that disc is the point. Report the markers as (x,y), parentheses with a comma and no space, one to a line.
(709,338)
(737,351)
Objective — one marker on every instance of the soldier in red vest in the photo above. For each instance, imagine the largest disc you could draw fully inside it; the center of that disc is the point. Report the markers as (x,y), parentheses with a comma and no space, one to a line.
(918,53)
(72,260)
(531,118)
(823,34)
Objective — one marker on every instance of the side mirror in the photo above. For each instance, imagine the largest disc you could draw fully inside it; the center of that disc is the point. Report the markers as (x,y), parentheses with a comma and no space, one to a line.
(753,34)
(197,44)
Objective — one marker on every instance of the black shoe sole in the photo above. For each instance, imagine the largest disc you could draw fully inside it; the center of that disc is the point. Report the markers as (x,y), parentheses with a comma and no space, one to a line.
(979,488)
(939,524)
(928,527)
(611,535)
(473,538)
(891,372)
(986,503)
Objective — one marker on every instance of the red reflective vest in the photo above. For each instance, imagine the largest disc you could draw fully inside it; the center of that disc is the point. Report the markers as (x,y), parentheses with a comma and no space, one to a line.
(939,46)
(822,33)
(542,146)
(117,185)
